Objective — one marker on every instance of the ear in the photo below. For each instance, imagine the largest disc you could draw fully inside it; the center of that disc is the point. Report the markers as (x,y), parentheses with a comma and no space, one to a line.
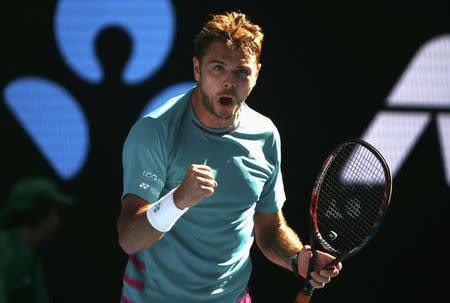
(258,69)
(196,66)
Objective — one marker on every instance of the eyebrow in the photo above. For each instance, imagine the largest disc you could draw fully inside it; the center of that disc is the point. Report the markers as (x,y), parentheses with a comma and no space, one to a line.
(216,61)
(223,63)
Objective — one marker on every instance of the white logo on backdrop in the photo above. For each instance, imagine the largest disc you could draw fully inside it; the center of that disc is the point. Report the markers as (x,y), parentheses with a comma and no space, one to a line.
(421,95)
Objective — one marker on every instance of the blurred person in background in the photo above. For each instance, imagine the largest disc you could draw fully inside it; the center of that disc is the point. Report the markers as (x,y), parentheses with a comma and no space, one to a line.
(29,218)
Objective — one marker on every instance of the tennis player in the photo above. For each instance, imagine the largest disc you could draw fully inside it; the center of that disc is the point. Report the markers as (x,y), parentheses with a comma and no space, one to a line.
(202,180)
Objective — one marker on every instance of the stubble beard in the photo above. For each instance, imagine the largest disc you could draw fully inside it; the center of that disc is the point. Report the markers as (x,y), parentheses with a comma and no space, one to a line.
(208,104)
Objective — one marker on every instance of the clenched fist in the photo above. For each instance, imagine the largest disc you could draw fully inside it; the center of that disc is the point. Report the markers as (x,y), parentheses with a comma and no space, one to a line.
(198,183)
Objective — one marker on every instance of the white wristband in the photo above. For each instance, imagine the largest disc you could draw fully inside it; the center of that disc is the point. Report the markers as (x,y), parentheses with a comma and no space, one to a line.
(163,214)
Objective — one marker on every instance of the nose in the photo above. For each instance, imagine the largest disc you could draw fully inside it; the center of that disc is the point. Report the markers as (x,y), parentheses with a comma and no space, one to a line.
(229,81)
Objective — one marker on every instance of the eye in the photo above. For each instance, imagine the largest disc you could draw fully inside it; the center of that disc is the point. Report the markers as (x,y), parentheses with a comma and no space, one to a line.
(217,67)
(244,72)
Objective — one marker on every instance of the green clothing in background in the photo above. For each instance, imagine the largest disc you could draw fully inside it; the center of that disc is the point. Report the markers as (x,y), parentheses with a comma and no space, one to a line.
(21,272)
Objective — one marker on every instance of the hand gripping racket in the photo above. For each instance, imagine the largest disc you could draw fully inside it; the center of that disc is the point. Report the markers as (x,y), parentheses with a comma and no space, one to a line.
(349,200)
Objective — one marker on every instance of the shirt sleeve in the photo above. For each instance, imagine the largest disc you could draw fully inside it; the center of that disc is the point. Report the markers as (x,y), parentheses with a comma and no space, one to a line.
(144,160)
(273,196)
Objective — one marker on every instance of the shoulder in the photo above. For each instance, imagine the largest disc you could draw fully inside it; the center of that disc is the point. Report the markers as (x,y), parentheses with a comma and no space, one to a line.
(163,119)
(264,129)
(254,122)
(173,108)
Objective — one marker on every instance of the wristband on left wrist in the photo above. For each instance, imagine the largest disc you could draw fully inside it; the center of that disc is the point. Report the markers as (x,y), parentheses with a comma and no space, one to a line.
(294,261)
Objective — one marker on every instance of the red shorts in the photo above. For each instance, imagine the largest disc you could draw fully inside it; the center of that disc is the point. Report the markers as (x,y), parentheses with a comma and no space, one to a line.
(245,299)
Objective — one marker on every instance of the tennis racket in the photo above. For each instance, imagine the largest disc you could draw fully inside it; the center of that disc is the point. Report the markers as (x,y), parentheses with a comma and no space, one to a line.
(350,198)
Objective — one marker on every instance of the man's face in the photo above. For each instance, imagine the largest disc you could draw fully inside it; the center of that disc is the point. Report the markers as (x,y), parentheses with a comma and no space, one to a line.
(50,224)
(225,78)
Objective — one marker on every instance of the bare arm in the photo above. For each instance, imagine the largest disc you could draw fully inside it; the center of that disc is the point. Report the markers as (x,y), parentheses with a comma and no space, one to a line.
(278,242)
(134,230)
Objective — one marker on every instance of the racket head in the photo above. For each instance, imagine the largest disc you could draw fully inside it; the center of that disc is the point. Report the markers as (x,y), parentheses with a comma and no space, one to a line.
(350,198)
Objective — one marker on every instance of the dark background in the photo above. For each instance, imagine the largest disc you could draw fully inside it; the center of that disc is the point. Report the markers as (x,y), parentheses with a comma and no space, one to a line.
(327,70)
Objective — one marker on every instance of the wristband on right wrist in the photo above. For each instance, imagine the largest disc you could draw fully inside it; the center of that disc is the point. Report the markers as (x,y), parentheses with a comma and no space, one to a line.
(163,214)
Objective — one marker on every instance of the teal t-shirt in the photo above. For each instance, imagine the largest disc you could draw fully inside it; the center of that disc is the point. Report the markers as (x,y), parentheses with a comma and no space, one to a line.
(205,256)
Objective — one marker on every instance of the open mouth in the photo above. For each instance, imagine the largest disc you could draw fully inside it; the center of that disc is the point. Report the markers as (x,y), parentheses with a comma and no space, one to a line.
(225,101)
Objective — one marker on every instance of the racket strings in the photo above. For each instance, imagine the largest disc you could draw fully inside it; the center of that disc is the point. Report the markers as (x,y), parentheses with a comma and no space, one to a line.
(337,223)
(333,193)
(363,225)
(344,241)
(350,197)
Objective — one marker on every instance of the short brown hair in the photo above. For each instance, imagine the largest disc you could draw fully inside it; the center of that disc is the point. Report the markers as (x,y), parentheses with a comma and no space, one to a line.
(232,28)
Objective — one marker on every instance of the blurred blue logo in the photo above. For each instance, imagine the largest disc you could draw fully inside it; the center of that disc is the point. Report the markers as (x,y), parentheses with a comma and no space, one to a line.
(50,114)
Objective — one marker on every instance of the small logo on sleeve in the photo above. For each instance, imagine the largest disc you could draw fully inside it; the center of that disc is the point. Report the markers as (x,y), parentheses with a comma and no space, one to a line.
(144,185)
(153,177)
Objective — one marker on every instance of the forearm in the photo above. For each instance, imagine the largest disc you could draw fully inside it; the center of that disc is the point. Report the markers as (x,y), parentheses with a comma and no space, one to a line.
(141,224)
(281,245)
(135,232)
(277,241)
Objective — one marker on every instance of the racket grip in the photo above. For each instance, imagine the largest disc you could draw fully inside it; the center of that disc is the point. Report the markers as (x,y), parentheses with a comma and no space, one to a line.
(302,298)
(308,290)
